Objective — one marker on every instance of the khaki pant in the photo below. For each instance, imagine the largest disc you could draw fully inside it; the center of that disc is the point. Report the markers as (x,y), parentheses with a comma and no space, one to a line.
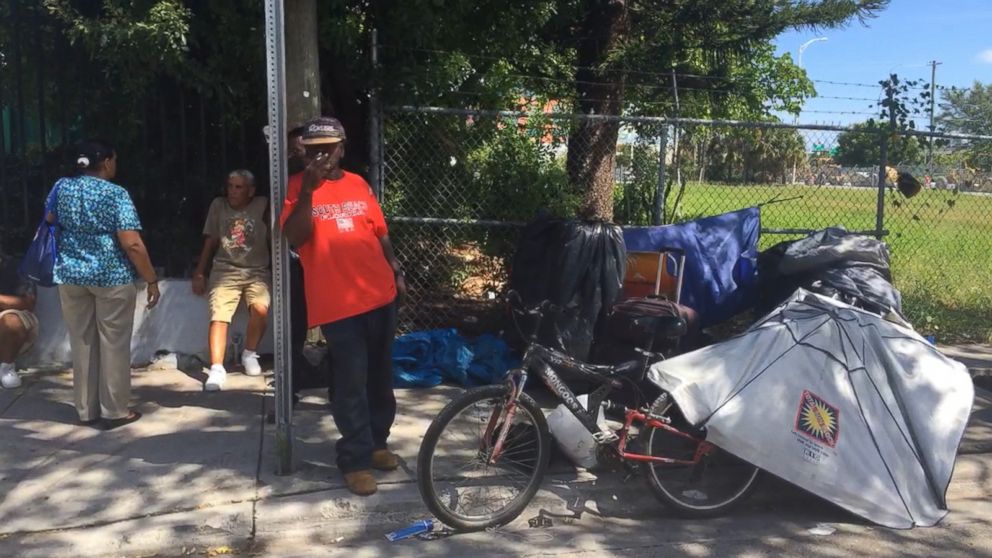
(100,321)
(227,288)
(30,322)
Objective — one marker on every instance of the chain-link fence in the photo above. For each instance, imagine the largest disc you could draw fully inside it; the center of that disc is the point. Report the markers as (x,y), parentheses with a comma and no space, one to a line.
(457,184)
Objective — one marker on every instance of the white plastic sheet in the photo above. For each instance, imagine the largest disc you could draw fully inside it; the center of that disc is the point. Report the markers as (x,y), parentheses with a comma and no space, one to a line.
(838,401)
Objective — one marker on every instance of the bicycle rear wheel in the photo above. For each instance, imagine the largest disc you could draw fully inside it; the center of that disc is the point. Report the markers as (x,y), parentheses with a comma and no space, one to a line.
(460,483)
(711,487)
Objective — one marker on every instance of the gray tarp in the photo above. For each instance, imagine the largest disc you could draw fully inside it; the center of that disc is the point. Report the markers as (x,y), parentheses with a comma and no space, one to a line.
(855,265)
(836,400)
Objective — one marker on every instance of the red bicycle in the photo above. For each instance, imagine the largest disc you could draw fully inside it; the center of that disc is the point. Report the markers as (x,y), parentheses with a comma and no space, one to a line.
(484,456)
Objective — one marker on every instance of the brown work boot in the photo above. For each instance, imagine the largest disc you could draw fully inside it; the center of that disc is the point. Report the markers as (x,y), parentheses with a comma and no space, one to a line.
(361,483)
(385,460)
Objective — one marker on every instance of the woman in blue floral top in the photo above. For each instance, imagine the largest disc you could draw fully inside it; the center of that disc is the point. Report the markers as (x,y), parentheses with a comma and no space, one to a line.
(100,255)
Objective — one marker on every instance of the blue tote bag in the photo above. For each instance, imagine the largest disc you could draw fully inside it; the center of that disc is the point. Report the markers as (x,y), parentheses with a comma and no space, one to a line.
(38,265)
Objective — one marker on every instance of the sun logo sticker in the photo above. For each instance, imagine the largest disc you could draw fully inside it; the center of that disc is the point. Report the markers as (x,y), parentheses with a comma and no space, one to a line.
(818,420)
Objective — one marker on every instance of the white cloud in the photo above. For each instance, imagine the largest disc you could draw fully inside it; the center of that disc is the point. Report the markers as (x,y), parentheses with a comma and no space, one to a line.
(985,56)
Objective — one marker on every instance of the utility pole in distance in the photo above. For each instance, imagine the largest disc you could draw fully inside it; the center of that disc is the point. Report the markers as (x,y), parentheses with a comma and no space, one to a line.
(933,100)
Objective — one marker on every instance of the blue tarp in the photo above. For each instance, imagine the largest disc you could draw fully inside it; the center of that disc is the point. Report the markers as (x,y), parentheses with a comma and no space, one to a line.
(428,358)
(721,260)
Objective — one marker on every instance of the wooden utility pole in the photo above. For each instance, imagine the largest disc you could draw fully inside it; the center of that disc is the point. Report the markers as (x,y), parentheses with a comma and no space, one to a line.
(302,62)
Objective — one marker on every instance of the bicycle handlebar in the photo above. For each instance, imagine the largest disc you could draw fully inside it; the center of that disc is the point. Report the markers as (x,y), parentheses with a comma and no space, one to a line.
(538,311)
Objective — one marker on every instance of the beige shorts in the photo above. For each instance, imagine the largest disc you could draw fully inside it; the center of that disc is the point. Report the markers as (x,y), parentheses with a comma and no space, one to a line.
(30,322)
(228,287)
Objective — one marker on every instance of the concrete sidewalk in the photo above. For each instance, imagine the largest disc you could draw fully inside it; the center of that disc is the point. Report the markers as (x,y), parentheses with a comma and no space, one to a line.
(195,474)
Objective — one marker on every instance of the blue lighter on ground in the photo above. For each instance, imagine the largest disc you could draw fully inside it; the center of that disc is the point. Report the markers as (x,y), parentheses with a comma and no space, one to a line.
(416,528)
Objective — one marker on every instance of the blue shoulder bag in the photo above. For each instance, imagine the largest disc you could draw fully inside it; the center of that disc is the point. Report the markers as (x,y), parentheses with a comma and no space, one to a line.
(38,265)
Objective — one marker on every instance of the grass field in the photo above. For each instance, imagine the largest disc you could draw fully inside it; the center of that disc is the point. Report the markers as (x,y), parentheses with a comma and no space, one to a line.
(940,242)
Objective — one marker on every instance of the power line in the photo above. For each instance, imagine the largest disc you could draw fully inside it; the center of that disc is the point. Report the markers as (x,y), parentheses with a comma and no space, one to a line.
(665,75)
(845,98)
(846,83)
(804,111)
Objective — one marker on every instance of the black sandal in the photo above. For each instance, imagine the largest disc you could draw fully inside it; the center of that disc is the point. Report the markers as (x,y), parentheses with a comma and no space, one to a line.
(111,424)
(91,422)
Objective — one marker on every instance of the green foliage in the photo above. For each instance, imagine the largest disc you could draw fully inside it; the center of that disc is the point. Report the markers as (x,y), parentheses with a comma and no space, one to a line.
(514,175)
(129,41)
(634,196)
(969,111)
(136,63)
(901,104)
(495,169)
(753,155)
(861,147)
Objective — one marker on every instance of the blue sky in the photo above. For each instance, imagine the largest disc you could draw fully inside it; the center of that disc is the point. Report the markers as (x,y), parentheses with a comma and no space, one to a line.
(903,39)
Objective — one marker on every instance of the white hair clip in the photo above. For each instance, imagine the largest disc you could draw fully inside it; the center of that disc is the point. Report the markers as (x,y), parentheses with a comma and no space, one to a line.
(83,161)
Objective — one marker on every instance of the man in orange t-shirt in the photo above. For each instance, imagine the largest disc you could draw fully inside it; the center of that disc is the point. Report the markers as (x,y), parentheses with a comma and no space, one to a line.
(353,283)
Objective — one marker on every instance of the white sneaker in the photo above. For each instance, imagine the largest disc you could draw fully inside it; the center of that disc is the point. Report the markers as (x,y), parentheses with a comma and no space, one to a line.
(10,379)
(216,378)
(249,359)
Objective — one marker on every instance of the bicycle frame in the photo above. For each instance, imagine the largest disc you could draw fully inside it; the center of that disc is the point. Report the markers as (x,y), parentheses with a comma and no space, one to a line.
(544,362)
(703,447)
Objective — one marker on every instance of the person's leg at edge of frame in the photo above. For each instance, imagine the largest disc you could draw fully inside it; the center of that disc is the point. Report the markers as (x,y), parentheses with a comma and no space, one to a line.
(381,397)
(13,336)
(115,325)
(346,342)
(257,297)
(79,312)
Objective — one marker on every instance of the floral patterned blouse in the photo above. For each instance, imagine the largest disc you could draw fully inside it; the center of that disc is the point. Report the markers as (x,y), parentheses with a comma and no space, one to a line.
(90,211)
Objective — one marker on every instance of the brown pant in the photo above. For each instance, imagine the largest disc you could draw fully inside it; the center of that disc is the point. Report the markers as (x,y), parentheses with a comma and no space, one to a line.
(100,321)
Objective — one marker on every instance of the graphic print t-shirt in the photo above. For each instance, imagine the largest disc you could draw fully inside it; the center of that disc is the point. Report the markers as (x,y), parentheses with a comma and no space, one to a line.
(344,269)
(243,234)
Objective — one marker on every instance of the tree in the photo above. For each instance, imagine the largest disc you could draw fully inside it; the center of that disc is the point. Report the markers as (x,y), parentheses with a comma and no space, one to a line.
(969,111)
(302,62)
(598,57)
(762,155)
(605,57)
(710,38)
(860,147)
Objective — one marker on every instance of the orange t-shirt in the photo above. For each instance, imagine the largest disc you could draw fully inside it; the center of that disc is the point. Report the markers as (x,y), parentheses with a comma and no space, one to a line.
(344,270)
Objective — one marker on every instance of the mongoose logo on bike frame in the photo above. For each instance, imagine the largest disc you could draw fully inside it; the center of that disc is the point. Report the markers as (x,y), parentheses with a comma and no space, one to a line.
(555,384)
(818,420)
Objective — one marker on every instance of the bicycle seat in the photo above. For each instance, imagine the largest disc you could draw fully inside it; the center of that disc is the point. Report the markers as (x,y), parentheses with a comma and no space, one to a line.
(631,369)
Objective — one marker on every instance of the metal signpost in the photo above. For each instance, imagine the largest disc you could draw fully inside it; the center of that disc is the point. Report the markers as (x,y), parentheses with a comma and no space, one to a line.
(275,62)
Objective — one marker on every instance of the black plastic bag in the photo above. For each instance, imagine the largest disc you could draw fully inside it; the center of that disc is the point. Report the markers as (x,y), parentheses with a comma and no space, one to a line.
(576,265)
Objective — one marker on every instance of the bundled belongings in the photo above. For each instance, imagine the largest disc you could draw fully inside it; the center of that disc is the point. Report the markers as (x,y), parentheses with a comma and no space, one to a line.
(853,408)
(851,267)
(428,358)
(576,265)
(721,252)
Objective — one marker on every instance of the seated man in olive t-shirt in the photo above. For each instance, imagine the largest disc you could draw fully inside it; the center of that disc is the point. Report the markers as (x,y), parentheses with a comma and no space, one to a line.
(18,324)
(236,243)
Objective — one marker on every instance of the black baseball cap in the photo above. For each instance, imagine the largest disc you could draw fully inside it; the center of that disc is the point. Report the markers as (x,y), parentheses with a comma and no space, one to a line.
(322,130)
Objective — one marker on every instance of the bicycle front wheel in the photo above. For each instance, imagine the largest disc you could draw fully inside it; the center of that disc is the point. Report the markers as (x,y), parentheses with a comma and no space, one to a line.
(464,479)
(710,487)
